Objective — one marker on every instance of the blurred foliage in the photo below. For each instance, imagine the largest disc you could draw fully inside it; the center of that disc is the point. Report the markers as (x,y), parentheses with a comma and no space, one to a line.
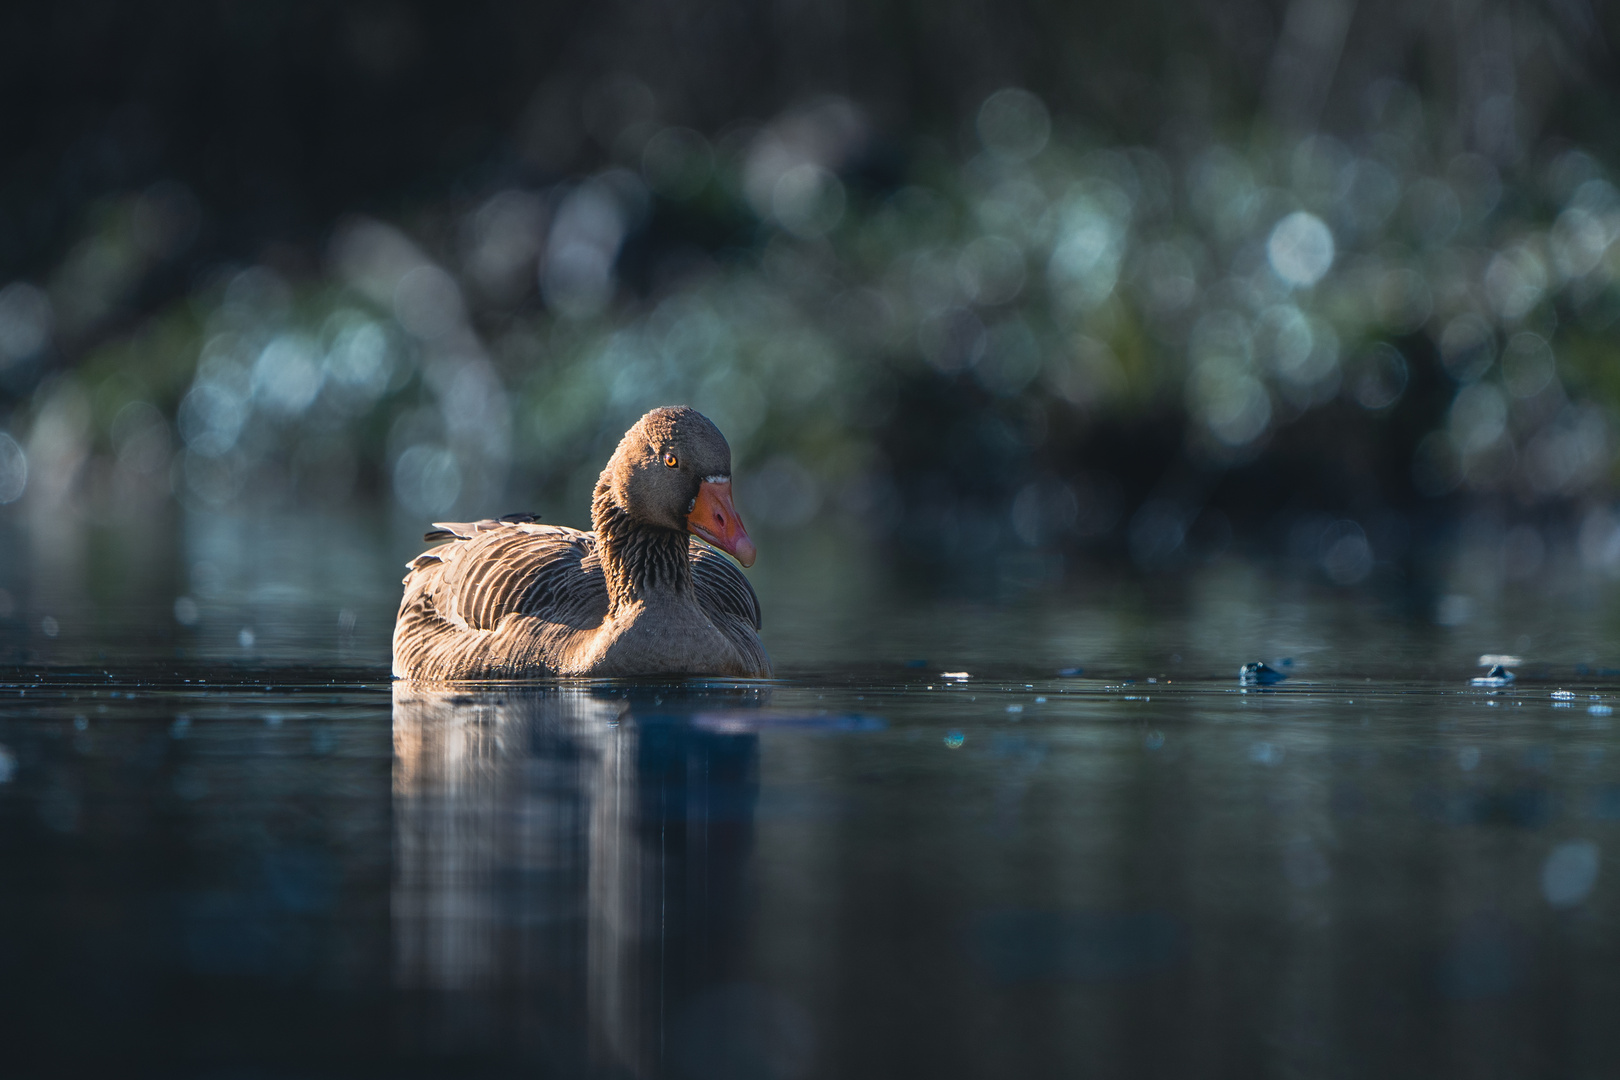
(1036,320)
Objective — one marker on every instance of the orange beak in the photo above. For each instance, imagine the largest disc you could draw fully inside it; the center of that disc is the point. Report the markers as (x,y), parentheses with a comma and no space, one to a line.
(715,520)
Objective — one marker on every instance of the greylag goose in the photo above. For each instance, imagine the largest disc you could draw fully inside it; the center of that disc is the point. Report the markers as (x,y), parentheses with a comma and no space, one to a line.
(641,594)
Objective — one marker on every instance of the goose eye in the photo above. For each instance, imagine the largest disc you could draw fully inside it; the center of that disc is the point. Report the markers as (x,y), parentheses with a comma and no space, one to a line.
(669,459)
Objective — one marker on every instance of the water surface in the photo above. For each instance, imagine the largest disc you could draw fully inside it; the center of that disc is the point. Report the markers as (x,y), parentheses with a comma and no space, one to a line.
(232,855)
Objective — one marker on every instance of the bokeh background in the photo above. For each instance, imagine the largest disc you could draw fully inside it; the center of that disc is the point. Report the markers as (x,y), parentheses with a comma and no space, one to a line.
(988,291)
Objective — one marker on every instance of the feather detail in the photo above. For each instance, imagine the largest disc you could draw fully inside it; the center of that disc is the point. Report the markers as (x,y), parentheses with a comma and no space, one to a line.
(509,598)
(507,601)
(722,590)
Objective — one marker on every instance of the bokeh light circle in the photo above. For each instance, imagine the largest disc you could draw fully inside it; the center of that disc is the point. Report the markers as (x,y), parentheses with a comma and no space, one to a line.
(13,469)
(1014,124)
(1300,249)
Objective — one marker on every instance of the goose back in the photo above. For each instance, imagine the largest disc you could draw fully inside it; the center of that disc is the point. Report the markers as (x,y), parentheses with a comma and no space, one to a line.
(510,598)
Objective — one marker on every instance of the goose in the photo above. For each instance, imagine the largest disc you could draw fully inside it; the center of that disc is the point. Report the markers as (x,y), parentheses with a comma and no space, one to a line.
(645,592)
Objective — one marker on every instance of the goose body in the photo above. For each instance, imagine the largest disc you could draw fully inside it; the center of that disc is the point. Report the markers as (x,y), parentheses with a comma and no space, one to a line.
(640,594)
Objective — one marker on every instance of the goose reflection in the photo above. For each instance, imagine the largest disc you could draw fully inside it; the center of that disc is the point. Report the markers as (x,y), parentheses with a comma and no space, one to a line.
(569,865)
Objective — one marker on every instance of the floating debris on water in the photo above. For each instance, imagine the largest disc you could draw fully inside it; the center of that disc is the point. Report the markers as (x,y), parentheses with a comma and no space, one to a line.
(954,740)
(1071,672)
(1259,673)
(1497,676)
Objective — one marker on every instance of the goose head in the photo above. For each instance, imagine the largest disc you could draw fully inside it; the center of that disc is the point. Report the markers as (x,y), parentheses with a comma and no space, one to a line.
(672,470)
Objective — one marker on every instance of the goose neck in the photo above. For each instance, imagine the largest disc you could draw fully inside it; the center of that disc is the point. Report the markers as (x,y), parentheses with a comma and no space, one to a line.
(640,562)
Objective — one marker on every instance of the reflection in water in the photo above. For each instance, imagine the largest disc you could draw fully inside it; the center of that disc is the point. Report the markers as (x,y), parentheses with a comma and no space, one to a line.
(570,868)
(981,877)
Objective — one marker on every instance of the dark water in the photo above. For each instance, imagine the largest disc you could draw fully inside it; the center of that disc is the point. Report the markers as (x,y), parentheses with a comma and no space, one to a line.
(228,855)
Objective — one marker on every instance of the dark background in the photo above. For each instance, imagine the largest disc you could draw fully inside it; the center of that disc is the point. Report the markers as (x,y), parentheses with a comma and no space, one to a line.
(154,152)
(280,117)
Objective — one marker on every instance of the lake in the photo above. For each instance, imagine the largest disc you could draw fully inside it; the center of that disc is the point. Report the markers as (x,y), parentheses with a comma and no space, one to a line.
(1023,821)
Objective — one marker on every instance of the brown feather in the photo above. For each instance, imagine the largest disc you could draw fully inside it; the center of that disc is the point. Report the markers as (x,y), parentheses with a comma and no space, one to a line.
(508,598)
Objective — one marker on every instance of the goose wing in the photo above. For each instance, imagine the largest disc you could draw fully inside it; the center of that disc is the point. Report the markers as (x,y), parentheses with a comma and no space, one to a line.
(728,600)
(722,591)
(458,594)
